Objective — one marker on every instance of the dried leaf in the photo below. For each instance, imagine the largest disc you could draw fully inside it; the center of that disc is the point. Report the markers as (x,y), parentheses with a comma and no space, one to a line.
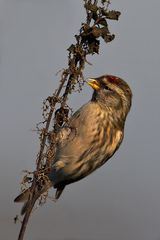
(91,7)
(109,38)
(94,46)
(94,16)
(61,115)
(104,31)
(71,48)
(112,15)
(102,21)
(97,32)
(105,1)
(86,27)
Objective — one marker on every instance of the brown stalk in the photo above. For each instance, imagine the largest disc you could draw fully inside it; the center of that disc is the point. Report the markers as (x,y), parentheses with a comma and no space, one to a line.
(87,43)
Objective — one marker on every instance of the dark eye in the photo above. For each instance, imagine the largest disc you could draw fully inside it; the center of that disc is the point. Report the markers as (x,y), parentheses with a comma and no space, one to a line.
(107,88)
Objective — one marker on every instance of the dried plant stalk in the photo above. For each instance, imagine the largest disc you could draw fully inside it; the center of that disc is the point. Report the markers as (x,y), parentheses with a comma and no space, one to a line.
(91,32)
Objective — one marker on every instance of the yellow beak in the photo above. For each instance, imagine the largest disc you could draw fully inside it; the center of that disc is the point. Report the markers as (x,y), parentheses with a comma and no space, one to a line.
(94,84)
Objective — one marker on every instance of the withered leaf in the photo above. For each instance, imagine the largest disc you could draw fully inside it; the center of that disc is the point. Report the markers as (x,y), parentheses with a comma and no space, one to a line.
(71,48)
(94,46)
(60,115)
(95,16)
(91,7)
(104,31)
(104,1)
(112,15)
(86,27)
(96,31)
(108,37)
(102,21)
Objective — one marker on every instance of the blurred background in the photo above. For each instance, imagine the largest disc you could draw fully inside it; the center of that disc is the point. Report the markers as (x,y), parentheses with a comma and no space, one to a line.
(122,199)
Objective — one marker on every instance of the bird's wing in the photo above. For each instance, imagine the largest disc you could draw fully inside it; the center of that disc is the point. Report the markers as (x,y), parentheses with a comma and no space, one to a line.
(74,145)
(68,132)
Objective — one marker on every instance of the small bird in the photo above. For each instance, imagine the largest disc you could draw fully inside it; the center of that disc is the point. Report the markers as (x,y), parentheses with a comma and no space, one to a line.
(91,137)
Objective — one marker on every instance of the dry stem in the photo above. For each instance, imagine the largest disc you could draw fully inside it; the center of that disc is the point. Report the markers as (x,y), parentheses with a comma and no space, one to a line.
(87,42)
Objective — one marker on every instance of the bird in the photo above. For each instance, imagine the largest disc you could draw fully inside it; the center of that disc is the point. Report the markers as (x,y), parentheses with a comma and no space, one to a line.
(91,137)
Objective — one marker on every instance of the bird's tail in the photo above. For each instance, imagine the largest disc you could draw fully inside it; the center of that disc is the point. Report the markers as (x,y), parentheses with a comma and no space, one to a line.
(26,196)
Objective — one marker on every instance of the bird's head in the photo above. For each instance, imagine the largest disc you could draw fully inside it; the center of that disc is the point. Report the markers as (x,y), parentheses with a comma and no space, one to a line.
(111,91)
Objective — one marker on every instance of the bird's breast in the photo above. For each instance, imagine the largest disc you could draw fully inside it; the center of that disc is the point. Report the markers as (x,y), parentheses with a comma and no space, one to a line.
(103,139)
(95,140)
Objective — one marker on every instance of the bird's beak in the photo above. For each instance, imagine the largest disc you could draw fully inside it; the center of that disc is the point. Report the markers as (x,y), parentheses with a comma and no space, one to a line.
(94,83)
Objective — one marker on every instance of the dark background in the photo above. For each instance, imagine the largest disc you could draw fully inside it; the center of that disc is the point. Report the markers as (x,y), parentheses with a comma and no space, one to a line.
(122,199)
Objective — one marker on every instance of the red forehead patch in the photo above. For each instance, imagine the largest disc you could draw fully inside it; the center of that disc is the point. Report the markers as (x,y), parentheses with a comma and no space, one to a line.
(113,79)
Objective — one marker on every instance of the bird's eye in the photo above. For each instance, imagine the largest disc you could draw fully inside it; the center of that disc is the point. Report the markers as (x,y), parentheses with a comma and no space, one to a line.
(107,88)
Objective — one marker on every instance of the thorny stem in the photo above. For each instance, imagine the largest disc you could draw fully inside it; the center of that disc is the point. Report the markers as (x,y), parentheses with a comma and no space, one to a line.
(87,43)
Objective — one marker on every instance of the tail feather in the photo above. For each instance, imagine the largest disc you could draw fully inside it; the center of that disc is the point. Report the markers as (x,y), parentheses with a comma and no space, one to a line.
(25,196)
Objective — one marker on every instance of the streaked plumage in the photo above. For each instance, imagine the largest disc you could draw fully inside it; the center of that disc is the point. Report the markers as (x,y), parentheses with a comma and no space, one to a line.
(94,133)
